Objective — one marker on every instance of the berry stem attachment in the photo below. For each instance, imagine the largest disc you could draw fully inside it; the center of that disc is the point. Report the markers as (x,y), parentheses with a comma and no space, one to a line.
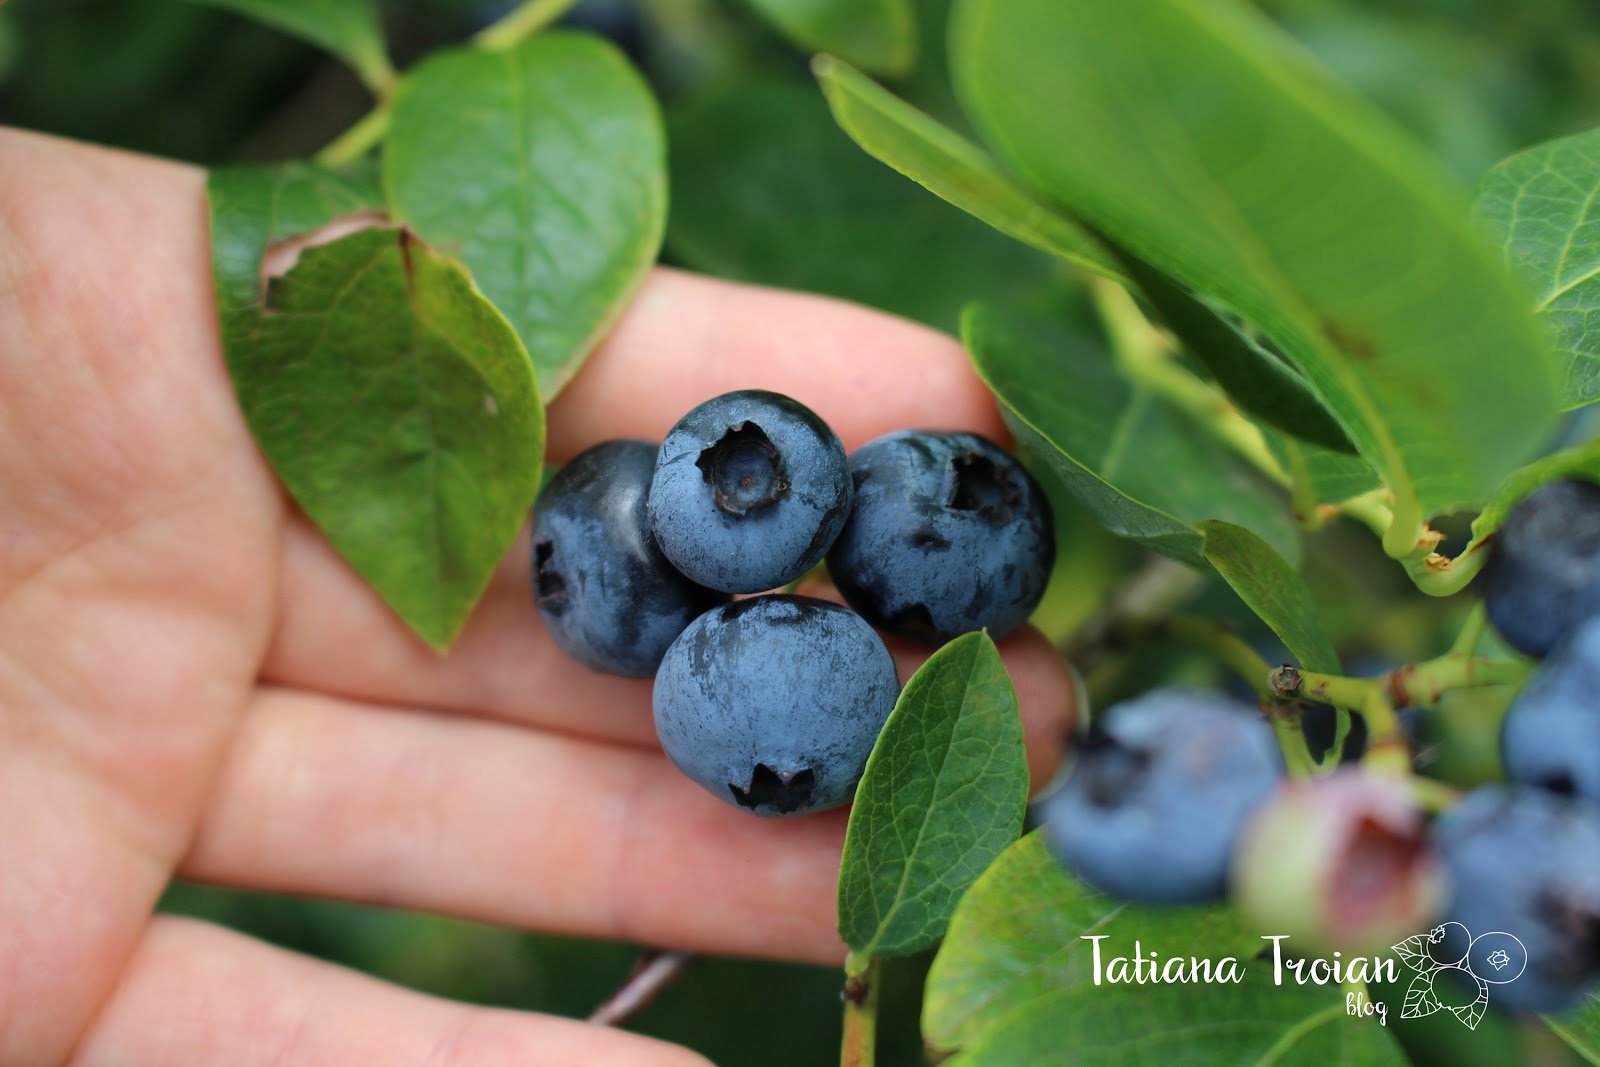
(859,1048)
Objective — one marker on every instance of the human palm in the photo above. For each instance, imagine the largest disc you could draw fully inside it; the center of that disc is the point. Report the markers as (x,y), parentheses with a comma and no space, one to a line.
(192,684)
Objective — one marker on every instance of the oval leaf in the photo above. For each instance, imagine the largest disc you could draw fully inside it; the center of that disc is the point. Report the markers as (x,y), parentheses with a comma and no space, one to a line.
(767,189)
(542,167)
(943,794)
(958,171)
(1143,469)
(1580,1028)
(1015,983)
(879,35)
(1271,589)
(400,411)
(347,28)
(1543,207)
(1219,154)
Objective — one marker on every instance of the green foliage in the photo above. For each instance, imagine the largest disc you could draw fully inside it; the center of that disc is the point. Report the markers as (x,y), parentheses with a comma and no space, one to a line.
(1340,238)
(1015,983)
(347,28)
(423,485)
(1581,1029)
(1145,470)
(1541,206)
(879,35)
(766,189)
(541,166)
(1272,590)
(943,794)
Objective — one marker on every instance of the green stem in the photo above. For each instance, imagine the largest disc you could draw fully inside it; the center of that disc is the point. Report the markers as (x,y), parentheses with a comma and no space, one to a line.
(358,140)
(1472,631)
(859,1048)
(1146,357)
(522,22)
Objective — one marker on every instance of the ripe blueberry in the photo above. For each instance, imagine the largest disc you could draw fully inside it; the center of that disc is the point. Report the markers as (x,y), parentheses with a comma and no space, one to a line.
(948,535)
(1542,579)
(773,703)
(606,593)
(1551,734)
(1526,862)
(750,490)
(1159,795)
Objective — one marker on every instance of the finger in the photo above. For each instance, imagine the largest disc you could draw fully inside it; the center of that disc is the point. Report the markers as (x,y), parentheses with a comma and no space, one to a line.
(686,339)
(503,825)
(335,637)
(205,997)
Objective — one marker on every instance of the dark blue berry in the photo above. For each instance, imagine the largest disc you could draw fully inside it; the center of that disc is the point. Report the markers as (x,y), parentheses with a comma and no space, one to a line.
(1526,862)
(1551,734)
(750,490)
(773,703)
(949,534)
(606,593)
(1542,579)
(1160,793)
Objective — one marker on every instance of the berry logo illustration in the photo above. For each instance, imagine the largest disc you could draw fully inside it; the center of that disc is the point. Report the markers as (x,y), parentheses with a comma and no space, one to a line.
(1450,966)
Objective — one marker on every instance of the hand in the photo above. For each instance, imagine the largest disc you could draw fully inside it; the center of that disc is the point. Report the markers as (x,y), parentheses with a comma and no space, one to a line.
(192,684)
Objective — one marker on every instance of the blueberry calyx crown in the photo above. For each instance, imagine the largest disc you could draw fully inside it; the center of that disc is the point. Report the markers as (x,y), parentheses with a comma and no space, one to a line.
(549,587)
(745,470)
(780,791)
(976,483)
(1112,771)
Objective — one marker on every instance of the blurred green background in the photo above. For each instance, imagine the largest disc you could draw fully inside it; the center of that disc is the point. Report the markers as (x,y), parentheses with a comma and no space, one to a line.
(765,188)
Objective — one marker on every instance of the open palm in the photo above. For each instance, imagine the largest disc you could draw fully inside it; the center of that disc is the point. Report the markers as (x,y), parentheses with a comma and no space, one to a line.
(192,684)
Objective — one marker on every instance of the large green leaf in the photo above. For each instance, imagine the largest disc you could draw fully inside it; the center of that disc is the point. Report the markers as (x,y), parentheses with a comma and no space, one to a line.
(1332,477)
(943,794)
(1015,983)
(542,167)
(767,189)
(1580,1028)
(1145,470)
(1543,207)
(393,400)
(1271,589)
(1194,134)
(879,35)
(347,28)
(956,170)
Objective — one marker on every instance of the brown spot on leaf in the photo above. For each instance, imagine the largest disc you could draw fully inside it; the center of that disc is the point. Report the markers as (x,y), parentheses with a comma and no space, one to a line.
(1347,340)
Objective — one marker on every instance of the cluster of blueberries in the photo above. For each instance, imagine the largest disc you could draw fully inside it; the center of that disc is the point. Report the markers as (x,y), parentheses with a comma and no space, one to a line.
(642,556)
(1166,786)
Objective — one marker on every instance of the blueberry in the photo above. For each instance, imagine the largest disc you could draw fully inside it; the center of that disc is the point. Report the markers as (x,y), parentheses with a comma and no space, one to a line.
(750,490)
(1526,862)
(1551,735)
(606,593)
(773,703)
(1543,575)
(1159,795)
(948,535)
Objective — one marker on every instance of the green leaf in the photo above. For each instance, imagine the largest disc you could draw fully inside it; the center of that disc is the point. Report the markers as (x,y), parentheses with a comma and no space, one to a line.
(542,167)
(1014,983)
(767,189)
(1580,1028)
(347,28)
(879,35)
(944,793)
(952,167)
(1271,589)
(956,170)
(254,208)
(1143,469)
(1543,207)
(1208,145)
(1332,477)
(392,399)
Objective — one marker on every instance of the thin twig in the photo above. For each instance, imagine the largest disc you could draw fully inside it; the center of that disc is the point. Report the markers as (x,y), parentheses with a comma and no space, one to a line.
(654,972)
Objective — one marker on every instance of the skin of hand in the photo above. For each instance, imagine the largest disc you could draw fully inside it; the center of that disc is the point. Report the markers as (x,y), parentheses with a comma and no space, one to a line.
(193,685)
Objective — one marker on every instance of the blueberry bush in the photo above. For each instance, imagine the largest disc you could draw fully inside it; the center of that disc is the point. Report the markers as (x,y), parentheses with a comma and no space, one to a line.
(1300,378)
